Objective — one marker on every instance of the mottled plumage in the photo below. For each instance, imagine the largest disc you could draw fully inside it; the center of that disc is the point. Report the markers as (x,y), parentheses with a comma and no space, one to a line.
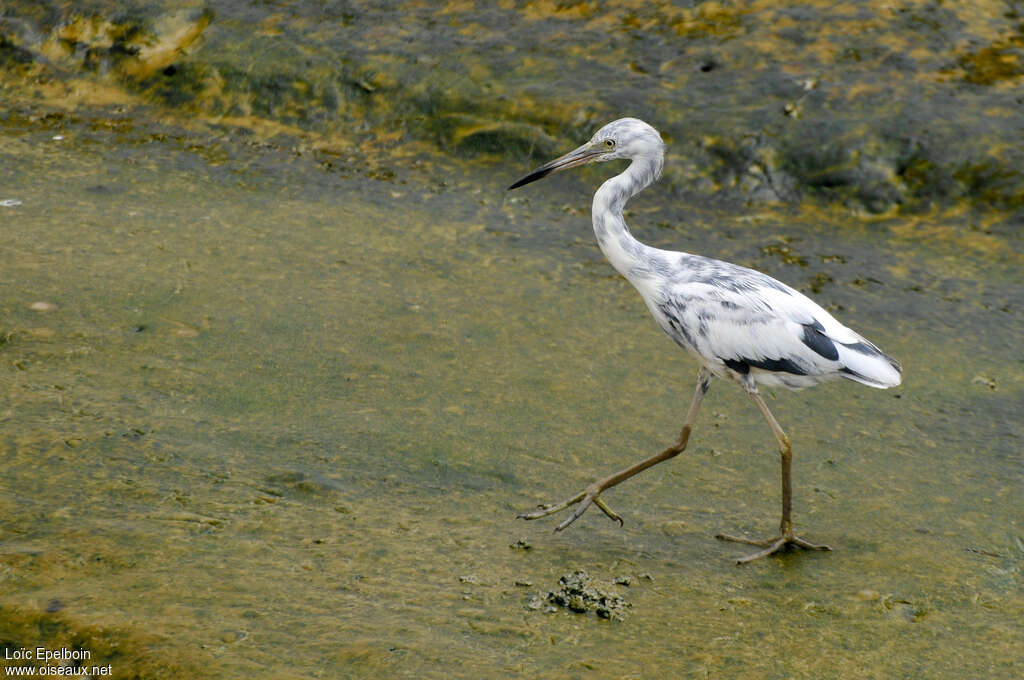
(739,323)
(745,325)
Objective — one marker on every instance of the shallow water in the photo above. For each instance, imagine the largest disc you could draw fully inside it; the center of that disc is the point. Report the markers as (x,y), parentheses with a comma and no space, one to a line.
(271,411)
(282,421)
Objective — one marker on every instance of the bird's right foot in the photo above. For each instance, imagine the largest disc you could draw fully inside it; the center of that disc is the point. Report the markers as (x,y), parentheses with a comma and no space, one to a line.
(772,545)
(584,499)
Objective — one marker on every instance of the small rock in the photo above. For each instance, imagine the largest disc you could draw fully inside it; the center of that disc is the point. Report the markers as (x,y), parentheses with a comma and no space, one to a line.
(232,636)
(41,306)
(577,604)
(984,380)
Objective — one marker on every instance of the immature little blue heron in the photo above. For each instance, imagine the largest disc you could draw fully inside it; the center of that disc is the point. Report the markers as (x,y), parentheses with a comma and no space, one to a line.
(739,323)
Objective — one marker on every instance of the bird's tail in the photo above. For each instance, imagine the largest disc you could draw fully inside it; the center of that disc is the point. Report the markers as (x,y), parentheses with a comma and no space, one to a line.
(867,364)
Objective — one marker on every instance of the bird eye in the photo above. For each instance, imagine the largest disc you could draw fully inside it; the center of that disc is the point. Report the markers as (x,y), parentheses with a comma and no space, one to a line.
(609,143)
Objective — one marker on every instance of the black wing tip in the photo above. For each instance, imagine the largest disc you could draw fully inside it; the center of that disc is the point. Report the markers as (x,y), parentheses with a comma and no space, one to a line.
(815,338)
(783,365)
(868,349)
(894,363)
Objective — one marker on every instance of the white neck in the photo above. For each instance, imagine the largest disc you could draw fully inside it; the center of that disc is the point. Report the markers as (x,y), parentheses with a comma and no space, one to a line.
(630,257)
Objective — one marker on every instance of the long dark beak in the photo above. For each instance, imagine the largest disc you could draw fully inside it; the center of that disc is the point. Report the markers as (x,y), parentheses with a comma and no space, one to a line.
(585,154)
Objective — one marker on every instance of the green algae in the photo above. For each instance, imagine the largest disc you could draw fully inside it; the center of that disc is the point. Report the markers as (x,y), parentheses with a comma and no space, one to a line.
(277,422)
(116,652)
(855,104)
(275,391)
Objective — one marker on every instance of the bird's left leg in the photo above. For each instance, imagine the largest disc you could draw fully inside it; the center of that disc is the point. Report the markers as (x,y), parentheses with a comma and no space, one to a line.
(787,536)
(592,493)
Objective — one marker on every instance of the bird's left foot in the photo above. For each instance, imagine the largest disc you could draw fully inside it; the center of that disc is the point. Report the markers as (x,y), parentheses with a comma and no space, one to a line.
(584,499)
(772,545)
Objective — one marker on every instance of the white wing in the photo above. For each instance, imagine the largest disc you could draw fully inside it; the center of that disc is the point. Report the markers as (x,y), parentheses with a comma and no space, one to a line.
(747,322)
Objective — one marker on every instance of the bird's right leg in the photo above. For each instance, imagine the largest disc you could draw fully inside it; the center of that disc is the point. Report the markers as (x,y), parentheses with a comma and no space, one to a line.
(787,536)
(591,495)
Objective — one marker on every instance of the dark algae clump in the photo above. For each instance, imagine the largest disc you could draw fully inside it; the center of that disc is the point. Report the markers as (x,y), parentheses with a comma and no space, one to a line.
(579,593)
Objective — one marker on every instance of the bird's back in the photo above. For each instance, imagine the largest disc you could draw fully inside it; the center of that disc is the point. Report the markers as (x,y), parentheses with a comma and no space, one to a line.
(744,324)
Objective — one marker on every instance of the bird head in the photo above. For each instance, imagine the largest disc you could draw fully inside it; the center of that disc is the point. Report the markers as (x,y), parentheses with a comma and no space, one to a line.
(624,138)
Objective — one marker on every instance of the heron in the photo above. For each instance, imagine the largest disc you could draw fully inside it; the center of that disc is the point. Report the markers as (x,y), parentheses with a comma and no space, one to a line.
(740,324)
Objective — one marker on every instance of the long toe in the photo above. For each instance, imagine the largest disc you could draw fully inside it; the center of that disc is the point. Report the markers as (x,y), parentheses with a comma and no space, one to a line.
(771,546)
(545,510)
(807,545)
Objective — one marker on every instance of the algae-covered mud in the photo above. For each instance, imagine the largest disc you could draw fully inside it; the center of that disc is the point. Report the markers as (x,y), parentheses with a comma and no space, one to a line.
(282,360)
(880,106)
